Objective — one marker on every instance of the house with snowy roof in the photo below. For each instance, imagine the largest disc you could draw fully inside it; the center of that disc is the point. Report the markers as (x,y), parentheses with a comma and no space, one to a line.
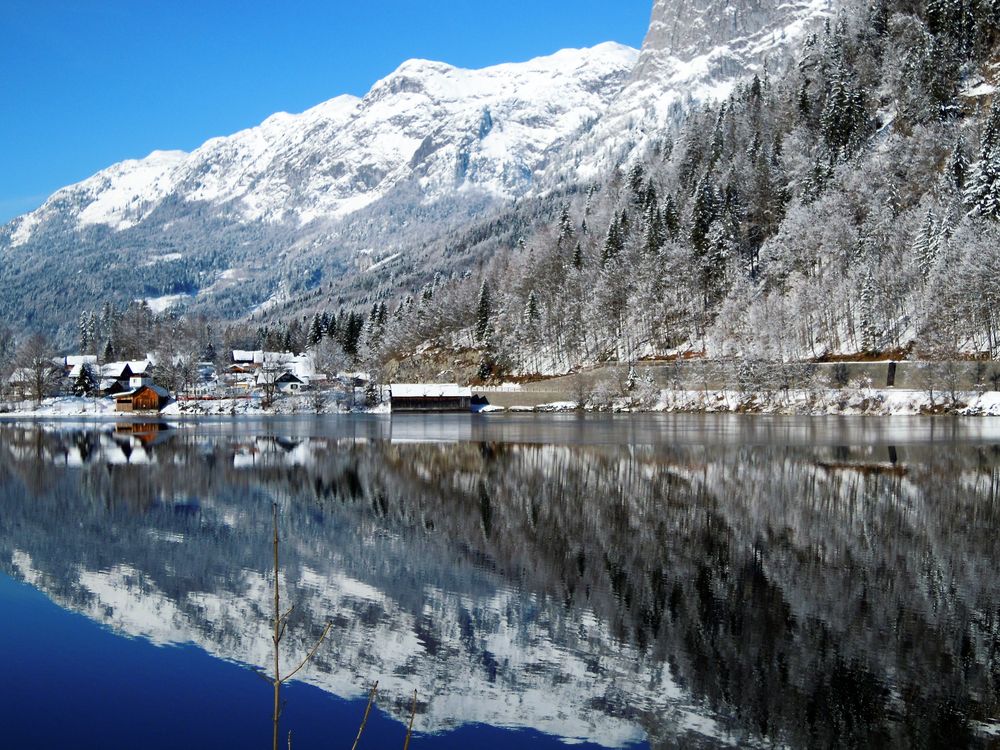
(143,396)
(424,397)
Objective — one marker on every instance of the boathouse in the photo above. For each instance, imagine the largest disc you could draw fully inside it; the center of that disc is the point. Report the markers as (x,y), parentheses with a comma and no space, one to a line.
(430,397)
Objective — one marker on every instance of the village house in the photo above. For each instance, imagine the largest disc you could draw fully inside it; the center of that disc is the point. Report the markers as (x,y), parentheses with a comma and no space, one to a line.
(289,383)
(143,396)
(289,373)
(116,376)
(72,364)
(20,382)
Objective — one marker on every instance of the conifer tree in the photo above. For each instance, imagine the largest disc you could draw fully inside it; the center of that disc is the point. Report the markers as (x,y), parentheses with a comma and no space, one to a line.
(957,169)
(654,238)
(636,183)
(982,197)
(565,225)
(843,112)
(85,332)
(484,311)
(85,383)
(614,243)
(703,214)
(315,335)
(332,331)
(925,244)
(671,218)
(982,194)
(531,313)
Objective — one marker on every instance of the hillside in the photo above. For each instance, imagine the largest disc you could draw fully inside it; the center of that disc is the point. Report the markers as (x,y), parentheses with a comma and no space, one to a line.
(355,200)
(845,208)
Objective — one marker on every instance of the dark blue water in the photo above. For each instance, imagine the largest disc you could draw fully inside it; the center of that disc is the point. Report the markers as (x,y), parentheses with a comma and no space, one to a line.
(606,582)
(74,684)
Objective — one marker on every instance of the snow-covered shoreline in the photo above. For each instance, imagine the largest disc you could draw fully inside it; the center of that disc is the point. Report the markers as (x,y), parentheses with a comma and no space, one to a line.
(825,402)
(70,406)
(822,402)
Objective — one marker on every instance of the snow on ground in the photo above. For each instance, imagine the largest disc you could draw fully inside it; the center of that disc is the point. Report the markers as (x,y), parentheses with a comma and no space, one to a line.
(226,278)
(63,406)
(164,258)
(982,89)
(160,305)
(383,262)
(865,401)
(990,729)
(303,404)
(120,196)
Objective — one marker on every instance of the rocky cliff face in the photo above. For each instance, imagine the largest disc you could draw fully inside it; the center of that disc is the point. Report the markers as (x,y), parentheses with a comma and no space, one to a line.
(689,28)
(695,51)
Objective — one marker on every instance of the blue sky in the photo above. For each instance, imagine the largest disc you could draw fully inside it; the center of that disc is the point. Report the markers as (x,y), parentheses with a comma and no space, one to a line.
(86,83)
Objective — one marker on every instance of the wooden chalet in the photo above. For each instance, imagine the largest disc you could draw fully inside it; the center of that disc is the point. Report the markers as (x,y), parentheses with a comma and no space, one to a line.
(145,398)
(436,397)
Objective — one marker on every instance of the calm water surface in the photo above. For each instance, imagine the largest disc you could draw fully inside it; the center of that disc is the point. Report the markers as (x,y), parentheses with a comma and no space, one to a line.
(643,581)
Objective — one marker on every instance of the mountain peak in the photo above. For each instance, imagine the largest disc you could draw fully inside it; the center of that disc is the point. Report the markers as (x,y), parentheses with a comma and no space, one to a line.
(751,30)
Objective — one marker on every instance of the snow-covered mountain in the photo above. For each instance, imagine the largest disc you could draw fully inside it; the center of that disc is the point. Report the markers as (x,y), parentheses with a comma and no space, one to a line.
(307,200)
(447,128)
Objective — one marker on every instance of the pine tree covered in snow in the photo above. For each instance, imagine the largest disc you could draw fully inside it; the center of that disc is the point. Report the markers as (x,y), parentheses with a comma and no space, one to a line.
(982,195)
(484,311)
(925,244)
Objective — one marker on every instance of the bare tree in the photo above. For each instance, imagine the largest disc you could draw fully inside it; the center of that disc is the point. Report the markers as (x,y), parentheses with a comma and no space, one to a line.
(329,358)
(267,378)
(6,356)
(36,371)
(176,370)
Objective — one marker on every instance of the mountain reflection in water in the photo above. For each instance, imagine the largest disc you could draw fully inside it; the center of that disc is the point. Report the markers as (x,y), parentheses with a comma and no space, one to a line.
(664,580)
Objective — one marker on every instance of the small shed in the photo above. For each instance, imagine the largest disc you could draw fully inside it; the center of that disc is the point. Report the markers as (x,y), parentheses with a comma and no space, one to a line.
(437,397)
(146,397)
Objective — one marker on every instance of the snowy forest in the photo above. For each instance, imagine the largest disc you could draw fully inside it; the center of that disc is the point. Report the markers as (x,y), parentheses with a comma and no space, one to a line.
(849,207)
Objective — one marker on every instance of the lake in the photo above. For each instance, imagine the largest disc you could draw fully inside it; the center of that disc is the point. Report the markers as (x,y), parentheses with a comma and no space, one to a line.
(539,580)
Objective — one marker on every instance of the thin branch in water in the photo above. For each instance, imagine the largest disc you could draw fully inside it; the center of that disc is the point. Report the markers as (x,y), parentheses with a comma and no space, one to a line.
(364,721)
(409,729)
(278,632)
(310,655)
(280,625)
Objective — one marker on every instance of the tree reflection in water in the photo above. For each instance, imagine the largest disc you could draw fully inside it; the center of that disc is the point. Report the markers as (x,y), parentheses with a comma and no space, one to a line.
(701,593)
